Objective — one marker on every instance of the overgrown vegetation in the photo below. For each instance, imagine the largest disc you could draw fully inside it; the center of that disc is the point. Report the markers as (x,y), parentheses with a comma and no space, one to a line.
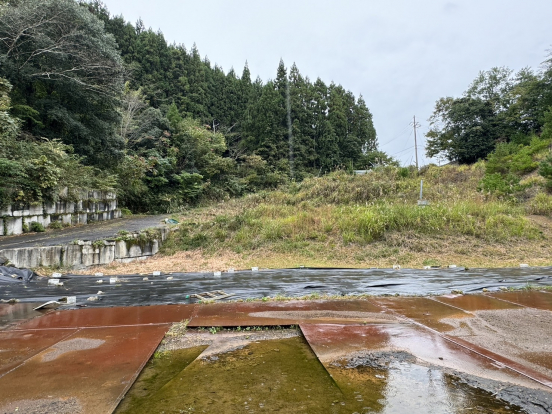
(339,211)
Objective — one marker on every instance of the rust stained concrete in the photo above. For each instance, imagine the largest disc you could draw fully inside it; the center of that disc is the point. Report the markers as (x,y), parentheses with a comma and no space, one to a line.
(531,298)
(338,342)
(287,313)
(472,303)
(97,376)
(119,316)
(426,311)
(18,346)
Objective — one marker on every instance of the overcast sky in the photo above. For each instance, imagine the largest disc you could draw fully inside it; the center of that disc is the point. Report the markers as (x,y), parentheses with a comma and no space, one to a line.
(401,55)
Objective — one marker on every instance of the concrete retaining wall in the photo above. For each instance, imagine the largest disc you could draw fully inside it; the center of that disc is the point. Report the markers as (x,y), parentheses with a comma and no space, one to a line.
(93,206)
(82,254)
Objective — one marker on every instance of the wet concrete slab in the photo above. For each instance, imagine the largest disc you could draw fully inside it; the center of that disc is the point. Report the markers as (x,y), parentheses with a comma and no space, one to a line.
(91,370)
(422,310)
(288,313)
(530,298)
(18,346)
(13,314)
(472,303)
(405,368)
(116,316)
(334,343)
(521,368)
(466,330)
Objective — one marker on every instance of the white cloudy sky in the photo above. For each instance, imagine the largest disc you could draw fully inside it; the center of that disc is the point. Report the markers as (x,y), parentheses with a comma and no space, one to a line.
(400,55)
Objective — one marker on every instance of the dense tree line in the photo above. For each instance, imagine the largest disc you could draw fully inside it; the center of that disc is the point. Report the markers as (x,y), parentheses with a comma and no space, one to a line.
(161,122)
(500,106)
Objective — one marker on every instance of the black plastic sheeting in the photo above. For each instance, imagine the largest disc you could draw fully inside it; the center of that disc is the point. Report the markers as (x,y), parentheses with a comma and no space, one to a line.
(14,275)
(133,290)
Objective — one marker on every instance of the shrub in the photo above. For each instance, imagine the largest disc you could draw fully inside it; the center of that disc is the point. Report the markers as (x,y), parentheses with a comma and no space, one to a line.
(541,205)
(499,185)
(56,225)
(37,227)
(545,170)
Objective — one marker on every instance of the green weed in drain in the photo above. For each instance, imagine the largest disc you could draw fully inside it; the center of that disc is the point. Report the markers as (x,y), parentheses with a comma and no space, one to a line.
(214,329)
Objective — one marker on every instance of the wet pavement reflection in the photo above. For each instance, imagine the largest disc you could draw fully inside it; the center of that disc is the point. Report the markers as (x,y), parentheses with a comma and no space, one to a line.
(532,299)
(120,316)
(13,314)
(426,311)
(288,313)
(472,303)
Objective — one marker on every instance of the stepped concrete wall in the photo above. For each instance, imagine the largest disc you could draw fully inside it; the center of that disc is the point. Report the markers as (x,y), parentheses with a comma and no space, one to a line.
(82,254)
(92,206)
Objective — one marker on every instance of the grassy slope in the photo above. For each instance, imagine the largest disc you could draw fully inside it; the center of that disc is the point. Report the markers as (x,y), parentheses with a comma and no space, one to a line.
(365,221)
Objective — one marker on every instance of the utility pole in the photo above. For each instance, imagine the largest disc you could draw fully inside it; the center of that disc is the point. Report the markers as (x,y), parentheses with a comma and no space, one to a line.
(416,125)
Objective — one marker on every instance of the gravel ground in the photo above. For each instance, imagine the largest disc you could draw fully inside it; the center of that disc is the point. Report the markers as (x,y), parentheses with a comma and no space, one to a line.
(531,400)
(378,359)
(221,342)
(57,406)
(367,317)
(76,344)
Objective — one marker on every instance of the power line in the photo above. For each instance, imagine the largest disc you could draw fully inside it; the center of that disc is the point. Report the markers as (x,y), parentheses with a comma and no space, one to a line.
(406,149)
(397,137)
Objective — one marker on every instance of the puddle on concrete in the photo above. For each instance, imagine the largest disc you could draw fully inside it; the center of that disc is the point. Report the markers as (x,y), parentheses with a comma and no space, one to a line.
(392,383)
(284,375)
(532,299)
(11,314)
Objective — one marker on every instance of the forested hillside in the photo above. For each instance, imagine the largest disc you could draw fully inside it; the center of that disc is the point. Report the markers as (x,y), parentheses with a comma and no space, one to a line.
(499,106)
(91,100)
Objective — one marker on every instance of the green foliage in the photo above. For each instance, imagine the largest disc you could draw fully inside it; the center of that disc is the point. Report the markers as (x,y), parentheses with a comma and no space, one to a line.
(180,132)
(36,227)
(66,74)
(516,158)
(541,204)
(35,170)
(56,225)
(463,130)
(508,163)
(500,185)
(545,170)
(547,127)
(340,209)
(499,106)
